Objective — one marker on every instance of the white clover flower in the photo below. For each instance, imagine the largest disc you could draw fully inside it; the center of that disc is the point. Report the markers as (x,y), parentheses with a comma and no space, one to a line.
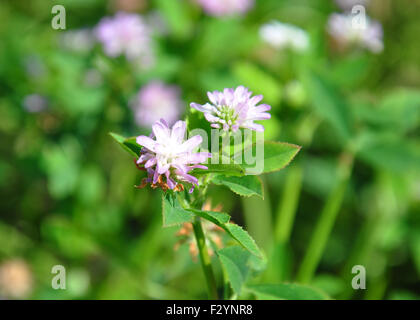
(233,109)
(284,35)
(343,29)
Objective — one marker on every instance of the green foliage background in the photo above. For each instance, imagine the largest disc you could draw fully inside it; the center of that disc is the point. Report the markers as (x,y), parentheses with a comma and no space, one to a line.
(66,188)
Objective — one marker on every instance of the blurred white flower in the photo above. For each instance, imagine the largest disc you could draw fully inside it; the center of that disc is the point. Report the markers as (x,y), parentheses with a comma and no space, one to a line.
(156,101)
(283,35)
(345,32)
(349,4)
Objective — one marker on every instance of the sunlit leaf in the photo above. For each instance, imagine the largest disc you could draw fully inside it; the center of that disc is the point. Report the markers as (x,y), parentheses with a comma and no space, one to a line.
(225,169)
(128,144)
(277,155)
(244,186)
(172,212)
(233,230)
(329,104)
(235,262)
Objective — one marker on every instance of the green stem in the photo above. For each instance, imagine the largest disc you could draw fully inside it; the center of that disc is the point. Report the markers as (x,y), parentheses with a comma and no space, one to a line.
(326,221)
(288,205)
(226,286)
(257,213)
(205,259)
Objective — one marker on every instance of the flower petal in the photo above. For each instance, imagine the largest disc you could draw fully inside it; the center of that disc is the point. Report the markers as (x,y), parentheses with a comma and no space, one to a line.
(203,108)
(190,144)
(161,130)
(146,142)
(178,131)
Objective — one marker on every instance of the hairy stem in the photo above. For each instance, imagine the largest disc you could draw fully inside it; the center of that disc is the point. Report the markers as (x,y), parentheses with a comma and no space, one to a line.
(205,259)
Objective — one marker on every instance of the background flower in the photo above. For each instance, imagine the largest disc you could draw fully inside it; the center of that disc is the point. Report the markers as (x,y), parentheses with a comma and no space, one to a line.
(284,35)
(155,101)
(126,34)
(345,32)
(349,4)
(226,7)
(15,279)
(34,103)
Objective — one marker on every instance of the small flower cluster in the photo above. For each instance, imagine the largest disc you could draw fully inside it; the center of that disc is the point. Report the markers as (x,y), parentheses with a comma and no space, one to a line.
(233,109)
(284,35)
(126,34)
(220,8)
(168,158)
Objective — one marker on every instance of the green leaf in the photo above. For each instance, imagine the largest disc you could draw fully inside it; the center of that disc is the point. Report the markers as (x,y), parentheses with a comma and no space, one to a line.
(235,263)
(286,291)
(277,155)
(415,248)
(176,16)
(350,71)
(244,186)
(172,212)
(226,169)
(390,152)
(329,104)
(233,230)
(402,108)
(240,235)
(398,111)
(258,80)
(218,218)
(128,144)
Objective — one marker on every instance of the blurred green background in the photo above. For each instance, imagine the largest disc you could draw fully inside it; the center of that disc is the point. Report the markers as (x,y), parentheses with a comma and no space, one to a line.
(67,194)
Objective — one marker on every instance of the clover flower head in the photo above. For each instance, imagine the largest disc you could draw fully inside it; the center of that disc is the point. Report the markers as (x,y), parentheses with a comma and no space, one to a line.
(284,35)
(220,8)
(168,157)
(126,34)
(233,109)
(343,30)
(157,100)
